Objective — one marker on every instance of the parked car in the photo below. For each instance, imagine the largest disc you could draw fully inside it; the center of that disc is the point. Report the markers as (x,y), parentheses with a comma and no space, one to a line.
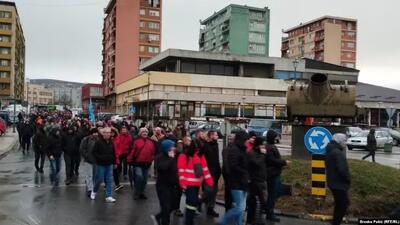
(352,131)
(262,126)
(360,140)
(3,127)
(394,133)
(193,125)
(117,118)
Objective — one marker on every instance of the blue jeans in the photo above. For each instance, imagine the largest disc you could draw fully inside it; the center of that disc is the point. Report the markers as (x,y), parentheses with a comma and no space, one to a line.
(55,166)
(236,213)
(104,173)
(140,175)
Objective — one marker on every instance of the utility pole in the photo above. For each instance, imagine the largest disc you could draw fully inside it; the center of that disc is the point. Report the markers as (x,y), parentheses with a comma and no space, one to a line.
(148,97)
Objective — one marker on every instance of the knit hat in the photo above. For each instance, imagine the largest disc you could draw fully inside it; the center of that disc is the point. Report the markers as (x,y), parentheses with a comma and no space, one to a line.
(143,129)
(340,138)
(258,141)
(167,145)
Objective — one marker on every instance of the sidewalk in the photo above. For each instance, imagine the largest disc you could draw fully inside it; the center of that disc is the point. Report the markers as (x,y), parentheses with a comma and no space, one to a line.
(7,142)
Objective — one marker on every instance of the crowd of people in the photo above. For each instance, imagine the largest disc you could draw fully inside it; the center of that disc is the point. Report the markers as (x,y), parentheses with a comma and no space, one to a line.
(251,166)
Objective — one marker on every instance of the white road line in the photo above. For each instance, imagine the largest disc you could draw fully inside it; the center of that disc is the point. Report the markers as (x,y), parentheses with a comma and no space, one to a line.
(33,220)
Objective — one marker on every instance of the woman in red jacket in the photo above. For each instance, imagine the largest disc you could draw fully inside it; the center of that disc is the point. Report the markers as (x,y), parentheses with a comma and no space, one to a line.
(122,145)
(193,171)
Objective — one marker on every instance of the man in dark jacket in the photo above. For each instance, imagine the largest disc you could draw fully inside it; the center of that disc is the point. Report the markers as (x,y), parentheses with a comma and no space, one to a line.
(86,150)
(371,145)
(104,155)
(39,146)
(27,133)
(54,151)
(225,172)
(274,169)
(167,180)
(258,177)
(211,153)
(338,176)
(71,153)
(238,166)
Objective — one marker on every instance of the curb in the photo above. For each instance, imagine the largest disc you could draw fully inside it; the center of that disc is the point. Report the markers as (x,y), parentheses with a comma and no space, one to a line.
(9,148)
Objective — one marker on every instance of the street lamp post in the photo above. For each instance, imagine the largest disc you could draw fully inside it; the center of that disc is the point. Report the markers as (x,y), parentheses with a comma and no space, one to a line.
(295,64)
(14,115)
(148,97)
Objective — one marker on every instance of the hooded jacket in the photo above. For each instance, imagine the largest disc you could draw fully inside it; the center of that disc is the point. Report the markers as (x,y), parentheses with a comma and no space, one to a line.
(167,172)
(337,170)
(40,141)
(122,145)
(103,152)
(70,143)
(211,153)
(273,159)
(238,163)
(257,166)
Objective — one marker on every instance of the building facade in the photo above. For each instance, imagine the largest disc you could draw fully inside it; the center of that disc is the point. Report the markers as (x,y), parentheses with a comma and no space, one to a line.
(12,53)
(131,35)
(179,84)
(240,30)
(328,39)
(38,95)
(93,92)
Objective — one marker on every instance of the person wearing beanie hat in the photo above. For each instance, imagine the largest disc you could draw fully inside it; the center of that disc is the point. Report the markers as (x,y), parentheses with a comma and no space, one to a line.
(258,185)
(86,150)
(250,141)
(167,181)
(338,176)
(122,144)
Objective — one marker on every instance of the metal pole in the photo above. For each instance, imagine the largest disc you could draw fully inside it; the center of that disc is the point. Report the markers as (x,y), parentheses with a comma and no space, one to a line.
(14,116)
(148,97)
(379,116)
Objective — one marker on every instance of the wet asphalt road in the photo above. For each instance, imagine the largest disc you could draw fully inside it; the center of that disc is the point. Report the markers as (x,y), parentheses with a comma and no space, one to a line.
(27,198)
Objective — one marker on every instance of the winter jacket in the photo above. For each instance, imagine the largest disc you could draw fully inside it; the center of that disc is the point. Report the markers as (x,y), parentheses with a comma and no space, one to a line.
(274,161)
(371,143)
(257,166)
(238,168)
(337,170)
(103,152)
(70,144)
(27,131)
(142,152)
(225,166)
(122,145)
(167,172)
(86,149)
(54,147)
(187,176)
(211,153)
(40,142)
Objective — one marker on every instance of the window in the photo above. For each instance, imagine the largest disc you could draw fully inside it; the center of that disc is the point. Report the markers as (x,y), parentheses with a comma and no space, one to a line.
(153,25)
(142,36)
(351,45)
(154,37)
(154,49)
(4,86)
(5,26)
(142,48)
(256,37)
(142,12)
(5,14)
(257,26)
(154,13)
(256,15)
(5,38)
(4,62)
(5,51)
(4,74)
(256,49)
(154,3)
(142,24)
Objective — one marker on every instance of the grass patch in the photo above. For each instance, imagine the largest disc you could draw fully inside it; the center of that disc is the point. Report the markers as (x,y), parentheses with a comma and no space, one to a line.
(375,190)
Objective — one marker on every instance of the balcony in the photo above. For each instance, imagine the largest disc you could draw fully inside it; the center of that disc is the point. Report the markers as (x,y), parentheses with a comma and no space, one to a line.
(6,92)
(5,80)
(319,37)
(285,47)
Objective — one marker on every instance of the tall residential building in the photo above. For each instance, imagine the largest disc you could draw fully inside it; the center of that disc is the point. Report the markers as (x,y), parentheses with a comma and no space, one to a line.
(131,35)
(12,54)
(328,39)
(236,29)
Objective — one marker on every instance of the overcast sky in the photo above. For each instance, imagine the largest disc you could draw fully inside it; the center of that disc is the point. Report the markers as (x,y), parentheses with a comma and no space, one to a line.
(63,37)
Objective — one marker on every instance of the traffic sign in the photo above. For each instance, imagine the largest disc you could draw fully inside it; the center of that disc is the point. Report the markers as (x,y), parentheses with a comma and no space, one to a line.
(316,140)
(132,109)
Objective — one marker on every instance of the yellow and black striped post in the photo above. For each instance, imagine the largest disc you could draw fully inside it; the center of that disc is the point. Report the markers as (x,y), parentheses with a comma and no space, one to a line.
(318,175)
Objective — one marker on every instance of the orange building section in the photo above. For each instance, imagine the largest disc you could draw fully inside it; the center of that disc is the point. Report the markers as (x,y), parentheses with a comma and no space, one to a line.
(131,35)
(328,39)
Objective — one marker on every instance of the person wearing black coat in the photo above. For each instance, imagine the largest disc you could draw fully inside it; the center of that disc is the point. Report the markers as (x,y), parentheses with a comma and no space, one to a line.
(167,180)
(338,176)
(27,132)
(258,185)
(238,179)
(71,154)
(371,145)
(39,146)
(274,164)
(211,153)
(54,152)
(225,172)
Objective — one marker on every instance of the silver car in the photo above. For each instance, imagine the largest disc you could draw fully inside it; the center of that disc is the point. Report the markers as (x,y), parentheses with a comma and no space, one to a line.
(359,141)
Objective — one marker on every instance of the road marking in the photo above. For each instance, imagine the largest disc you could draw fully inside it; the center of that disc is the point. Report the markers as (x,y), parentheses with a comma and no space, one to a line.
(34,220)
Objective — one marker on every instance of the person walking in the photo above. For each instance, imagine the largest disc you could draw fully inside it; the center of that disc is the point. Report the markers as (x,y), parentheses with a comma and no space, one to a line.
(140,159)
(238,181)
(104,155)
(39,146)
(86,150)
(225,172)
(258,185)
(371,145)
(167,180)
(274,163)
(338,176)
(54,152)
(192,171)
(211,153)
(71,153)
(122,145)
(27,133)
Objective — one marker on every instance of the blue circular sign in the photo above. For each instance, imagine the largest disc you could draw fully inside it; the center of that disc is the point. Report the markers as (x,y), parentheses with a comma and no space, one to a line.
(316,140)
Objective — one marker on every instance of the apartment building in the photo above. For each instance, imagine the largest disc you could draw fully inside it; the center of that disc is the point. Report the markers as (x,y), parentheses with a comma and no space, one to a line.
(131,35)
(12,54)
(329,39)
(38,94)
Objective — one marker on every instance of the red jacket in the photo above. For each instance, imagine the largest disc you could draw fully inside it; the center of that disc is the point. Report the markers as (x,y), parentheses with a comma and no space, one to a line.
(186,173)
(142,152)
(122,145)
